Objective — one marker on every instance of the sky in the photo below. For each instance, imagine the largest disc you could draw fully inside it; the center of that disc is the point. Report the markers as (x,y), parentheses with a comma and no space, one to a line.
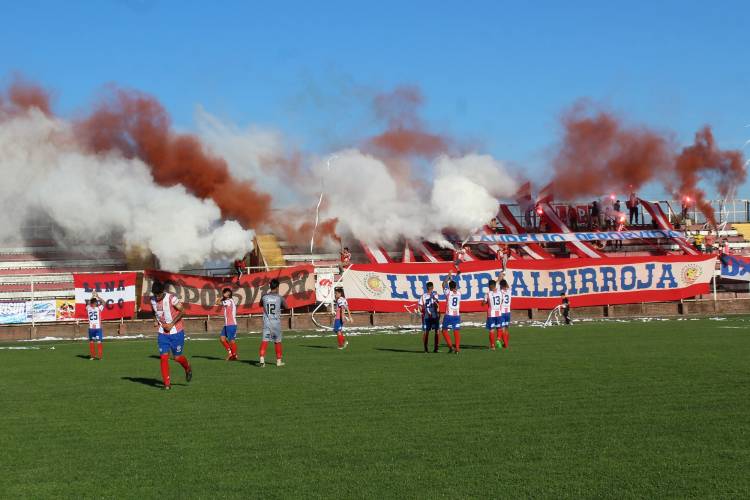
(497,74)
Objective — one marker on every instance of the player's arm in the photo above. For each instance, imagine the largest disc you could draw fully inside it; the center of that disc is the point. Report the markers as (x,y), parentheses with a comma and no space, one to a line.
(348,311)
(219,300)
(180,313)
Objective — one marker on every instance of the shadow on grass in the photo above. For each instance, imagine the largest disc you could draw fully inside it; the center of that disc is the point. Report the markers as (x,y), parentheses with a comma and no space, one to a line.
(83,356)
(319,346)
(411,351)
(212,358)
(251,362)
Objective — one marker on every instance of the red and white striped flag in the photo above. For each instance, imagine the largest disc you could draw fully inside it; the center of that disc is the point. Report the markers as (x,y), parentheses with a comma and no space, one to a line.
(115,290)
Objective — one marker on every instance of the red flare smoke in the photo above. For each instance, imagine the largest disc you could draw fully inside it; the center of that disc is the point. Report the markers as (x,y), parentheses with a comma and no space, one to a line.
(23,96)
(138,126)
(599,154)
(406,133)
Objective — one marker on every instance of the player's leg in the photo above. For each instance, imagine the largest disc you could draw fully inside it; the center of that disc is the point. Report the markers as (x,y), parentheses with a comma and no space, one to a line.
(100,343)
(92,346)
(177,344)
(446,337)
(491,331)
(436,335)
(340,337)
(425,332)
(164,349)
(457,335)
(263,347)
(277,346)
(224,342)
(231,336)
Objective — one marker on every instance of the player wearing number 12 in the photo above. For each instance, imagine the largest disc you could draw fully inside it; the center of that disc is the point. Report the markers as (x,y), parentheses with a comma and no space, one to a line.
(272,304)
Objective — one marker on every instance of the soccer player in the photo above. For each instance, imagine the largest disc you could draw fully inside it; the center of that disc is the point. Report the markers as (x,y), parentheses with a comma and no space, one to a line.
(94,312)
(505,314)
(340,313)
(452,318)
(565,308)
(168,312)
(229,331)
(493,300)
(429,307)
(272,304)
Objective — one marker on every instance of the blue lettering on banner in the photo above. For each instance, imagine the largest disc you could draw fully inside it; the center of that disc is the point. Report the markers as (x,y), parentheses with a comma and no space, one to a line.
(395,294)
(412,279)
(609,280)
(625,286)
(572,288)
(588,275)
(519,284)
(666,275)
(483,280)
(466,295)
(650,281)
(537,293)
(558,283)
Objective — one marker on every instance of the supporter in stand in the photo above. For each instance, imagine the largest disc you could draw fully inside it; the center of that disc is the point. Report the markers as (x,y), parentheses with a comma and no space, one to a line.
(725,250)
(239,268)
(609,217)
(710,241)
(460,256)
(594,213)
(620,228)
(573,217)
(345,259)
(618,206)
(632,205)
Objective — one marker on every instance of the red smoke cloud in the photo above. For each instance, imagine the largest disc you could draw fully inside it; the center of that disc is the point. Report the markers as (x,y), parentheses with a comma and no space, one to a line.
(23,96)
(138,126)
(600,154)
(406,133)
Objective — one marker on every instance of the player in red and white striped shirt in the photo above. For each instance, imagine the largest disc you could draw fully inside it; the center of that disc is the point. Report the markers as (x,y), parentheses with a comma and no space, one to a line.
(229,331)
(452,318)
(494,301)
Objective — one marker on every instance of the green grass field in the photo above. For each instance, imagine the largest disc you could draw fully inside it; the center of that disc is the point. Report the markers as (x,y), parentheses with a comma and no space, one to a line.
(657,409)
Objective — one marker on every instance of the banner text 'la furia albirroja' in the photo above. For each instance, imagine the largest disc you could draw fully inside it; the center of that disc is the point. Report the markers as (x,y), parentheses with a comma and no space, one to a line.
(534,284)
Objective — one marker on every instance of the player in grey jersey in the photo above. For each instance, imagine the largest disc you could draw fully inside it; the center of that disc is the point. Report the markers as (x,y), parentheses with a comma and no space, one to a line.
(272,304)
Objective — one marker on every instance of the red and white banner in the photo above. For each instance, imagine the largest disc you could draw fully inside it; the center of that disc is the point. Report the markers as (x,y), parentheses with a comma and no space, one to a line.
(535,283)
(116,290)
(199,293)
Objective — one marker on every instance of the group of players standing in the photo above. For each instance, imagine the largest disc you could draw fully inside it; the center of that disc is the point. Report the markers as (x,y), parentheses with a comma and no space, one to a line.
(496,301)
(168,313)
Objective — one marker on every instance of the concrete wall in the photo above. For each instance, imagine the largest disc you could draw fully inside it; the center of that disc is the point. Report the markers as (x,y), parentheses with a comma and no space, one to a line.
(203,326)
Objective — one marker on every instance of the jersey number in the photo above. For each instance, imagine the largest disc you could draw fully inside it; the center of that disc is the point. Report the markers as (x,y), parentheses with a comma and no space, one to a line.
(93,316)
(496,300)
(454,302)
(270,309)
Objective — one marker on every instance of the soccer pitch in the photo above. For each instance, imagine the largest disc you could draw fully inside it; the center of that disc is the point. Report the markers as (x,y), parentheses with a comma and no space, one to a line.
(600,409)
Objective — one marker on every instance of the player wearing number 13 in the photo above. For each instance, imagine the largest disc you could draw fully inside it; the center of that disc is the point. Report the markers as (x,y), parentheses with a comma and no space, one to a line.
(272,304)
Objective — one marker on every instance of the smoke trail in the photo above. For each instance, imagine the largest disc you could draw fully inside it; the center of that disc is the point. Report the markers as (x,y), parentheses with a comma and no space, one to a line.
(104,196)
(137,126)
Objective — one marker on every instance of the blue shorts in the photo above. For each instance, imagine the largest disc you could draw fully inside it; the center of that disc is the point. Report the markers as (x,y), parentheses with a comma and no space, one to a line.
(229,331)
(505,320)
(494,322)
(96,334)
(171,343)
(338,325)
(451,322)
(430,324)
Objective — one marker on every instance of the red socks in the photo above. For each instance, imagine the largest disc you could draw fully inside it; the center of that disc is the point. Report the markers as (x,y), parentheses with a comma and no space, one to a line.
(457,337)
(340,339)
(224,342)
(277,348)
(263,347)
(506,339)
(233,348)
(492,339)
(101,349)
(92,349)
(447,339)
(183,362)
(165,369)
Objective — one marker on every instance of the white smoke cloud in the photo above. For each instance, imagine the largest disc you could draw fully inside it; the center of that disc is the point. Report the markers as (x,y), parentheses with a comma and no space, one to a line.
(93,197)
(376,208)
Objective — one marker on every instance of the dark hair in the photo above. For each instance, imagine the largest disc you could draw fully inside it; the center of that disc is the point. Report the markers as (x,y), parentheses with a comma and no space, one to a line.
(225,290)
(503,284)
(492,283)
(429,284)
(452,285)
(340,290)
(157,287)
(274,284)
(346,248)
(93,299)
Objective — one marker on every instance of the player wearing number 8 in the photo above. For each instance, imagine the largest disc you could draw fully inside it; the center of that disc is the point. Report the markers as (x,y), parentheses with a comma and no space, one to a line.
(272,304)
(452,318)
